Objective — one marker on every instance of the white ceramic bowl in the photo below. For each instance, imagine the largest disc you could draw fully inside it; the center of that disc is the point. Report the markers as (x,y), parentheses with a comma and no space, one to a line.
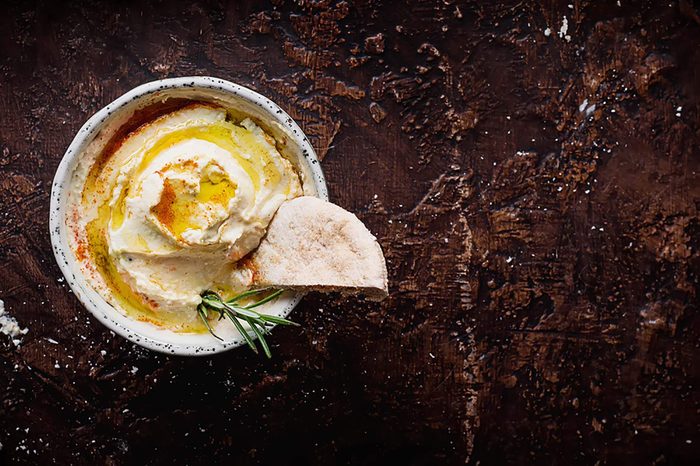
(295,145)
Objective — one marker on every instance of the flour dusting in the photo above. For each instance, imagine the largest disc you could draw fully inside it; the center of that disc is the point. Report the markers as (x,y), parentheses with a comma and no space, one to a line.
(564,29)
(9,326)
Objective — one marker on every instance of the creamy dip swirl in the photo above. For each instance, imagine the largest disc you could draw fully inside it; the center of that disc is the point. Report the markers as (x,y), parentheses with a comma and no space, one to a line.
(178,203)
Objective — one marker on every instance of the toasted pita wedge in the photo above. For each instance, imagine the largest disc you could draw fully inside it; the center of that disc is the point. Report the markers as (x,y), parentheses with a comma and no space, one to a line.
(312,244)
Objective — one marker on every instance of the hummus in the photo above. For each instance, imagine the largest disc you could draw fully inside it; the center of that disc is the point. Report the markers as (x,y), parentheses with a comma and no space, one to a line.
(169,210)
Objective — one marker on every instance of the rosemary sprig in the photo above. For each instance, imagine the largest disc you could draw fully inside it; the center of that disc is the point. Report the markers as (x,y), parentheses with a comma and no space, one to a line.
(237,313)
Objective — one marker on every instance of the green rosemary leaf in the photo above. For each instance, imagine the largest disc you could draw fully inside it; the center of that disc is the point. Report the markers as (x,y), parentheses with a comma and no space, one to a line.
(261,338)
(277,320)
(203,314)
(263,328)
(242,331)
(265,300)
(245,294)
(212,301)
(244,312)
(202,310)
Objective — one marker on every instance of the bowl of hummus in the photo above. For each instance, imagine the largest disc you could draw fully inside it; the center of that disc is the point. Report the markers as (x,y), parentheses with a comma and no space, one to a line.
(163,194)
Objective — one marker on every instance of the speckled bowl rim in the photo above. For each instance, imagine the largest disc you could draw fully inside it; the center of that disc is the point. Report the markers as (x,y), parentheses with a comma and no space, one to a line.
(90,298)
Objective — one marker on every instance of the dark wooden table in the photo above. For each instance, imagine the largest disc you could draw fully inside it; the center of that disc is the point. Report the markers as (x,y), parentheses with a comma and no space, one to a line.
(531,171)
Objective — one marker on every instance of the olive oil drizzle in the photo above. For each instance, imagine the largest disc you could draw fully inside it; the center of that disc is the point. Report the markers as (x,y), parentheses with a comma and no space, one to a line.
(241,143)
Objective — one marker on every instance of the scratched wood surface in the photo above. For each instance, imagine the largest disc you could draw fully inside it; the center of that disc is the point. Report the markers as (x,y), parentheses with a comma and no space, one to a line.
(530,169)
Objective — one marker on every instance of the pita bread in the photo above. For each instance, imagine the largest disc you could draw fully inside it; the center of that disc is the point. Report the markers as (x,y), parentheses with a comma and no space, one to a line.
(312,244)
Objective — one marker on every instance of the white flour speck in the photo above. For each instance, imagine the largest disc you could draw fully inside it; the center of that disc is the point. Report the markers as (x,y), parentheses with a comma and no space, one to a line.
(10,327)
(564,29)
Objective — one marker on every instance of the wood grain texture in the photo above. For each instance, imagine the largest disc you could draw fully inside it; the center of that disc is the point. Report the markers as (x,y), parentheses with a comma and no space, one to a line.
(536,196)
